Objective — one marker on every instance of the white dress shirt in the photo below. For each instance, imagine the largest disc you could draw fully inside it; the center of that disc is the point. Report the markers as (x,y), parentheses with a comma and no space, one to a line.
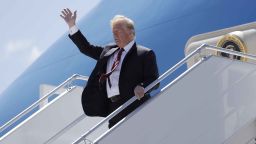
(114,77)
(73,30)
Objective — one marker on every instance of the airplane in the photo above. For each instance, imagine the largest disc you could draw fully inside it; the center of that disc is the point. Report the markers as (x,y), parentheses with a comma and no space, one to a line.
(167,27)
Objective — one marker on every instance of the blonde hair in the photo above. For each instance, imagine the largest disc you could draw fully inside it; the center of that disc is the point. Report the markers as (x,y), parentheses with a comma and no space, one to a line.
(129,23)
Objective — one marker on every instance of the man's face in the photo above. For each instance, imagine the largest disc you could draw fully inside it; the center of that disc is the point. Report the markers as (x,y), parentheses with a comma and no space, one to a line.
(122,35)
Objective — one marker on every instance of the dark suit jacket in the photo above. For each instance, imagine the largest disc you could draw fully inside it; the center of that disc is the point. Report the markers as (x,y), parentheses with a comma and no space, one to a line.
(139,67)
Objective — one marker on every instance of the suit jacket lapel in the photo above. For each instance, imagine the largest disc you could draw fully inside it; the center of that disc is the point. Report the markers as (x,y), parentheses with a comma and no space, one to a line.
(110,52)
(134,47)
(105,56)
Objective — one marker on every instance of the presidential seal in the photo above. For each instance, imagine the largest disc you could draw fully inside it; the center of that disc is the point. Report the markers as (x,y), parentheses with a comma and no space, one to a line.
(233,42)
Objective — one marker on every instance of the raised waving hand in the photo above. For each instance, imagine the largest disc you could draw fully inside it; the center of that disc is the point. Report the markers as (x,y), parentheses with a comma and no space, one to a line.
(69,17)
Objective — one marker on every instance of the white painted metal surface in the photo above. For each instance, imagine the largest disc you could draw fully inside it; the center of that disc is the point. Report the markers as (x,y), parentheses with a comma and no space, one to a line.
(42,100)
(208,105)
(214,104)
(245,135)
(44,89)
(42,126)
(163,76)
(246,33)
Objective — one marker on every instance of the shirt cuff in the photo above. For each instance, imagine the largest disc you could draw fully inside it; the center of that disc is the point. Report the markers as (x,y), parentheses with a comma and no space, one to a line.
(73,30)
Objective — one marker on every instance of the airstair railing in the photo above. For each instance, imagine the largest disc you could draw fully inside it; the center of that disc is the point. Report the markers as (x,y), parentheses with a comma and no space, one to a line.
(31,107)
(162,77)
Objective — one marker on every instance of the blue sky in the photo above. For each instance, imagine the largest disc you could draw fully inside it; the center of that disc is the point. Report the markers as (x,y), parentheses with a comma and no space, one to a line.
(28,28)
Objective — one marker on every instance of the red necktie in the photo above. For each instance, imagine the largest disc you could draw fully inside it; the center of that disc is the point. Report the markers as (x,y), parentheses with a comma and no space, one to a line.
(103,77)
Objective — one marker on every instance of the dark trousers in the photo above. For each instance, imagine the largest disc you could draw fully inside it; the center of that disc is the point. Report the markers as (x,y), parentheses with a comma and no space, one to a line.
(114,105)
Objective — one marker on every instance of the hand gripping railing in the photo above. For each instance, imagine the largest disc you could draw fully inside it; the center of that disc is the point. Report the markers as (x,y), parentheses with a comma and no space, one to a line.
(162,77)
(20,115)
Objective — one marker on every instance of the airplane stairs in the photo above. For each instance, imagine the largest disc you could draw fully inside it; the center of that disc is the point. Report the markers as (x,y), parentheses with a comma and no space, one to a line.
(213,102)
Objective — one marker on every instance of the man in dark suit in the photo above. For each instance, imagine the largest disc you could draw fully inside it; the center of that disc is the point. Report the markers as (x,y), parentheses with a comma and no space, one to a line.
(122,69)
